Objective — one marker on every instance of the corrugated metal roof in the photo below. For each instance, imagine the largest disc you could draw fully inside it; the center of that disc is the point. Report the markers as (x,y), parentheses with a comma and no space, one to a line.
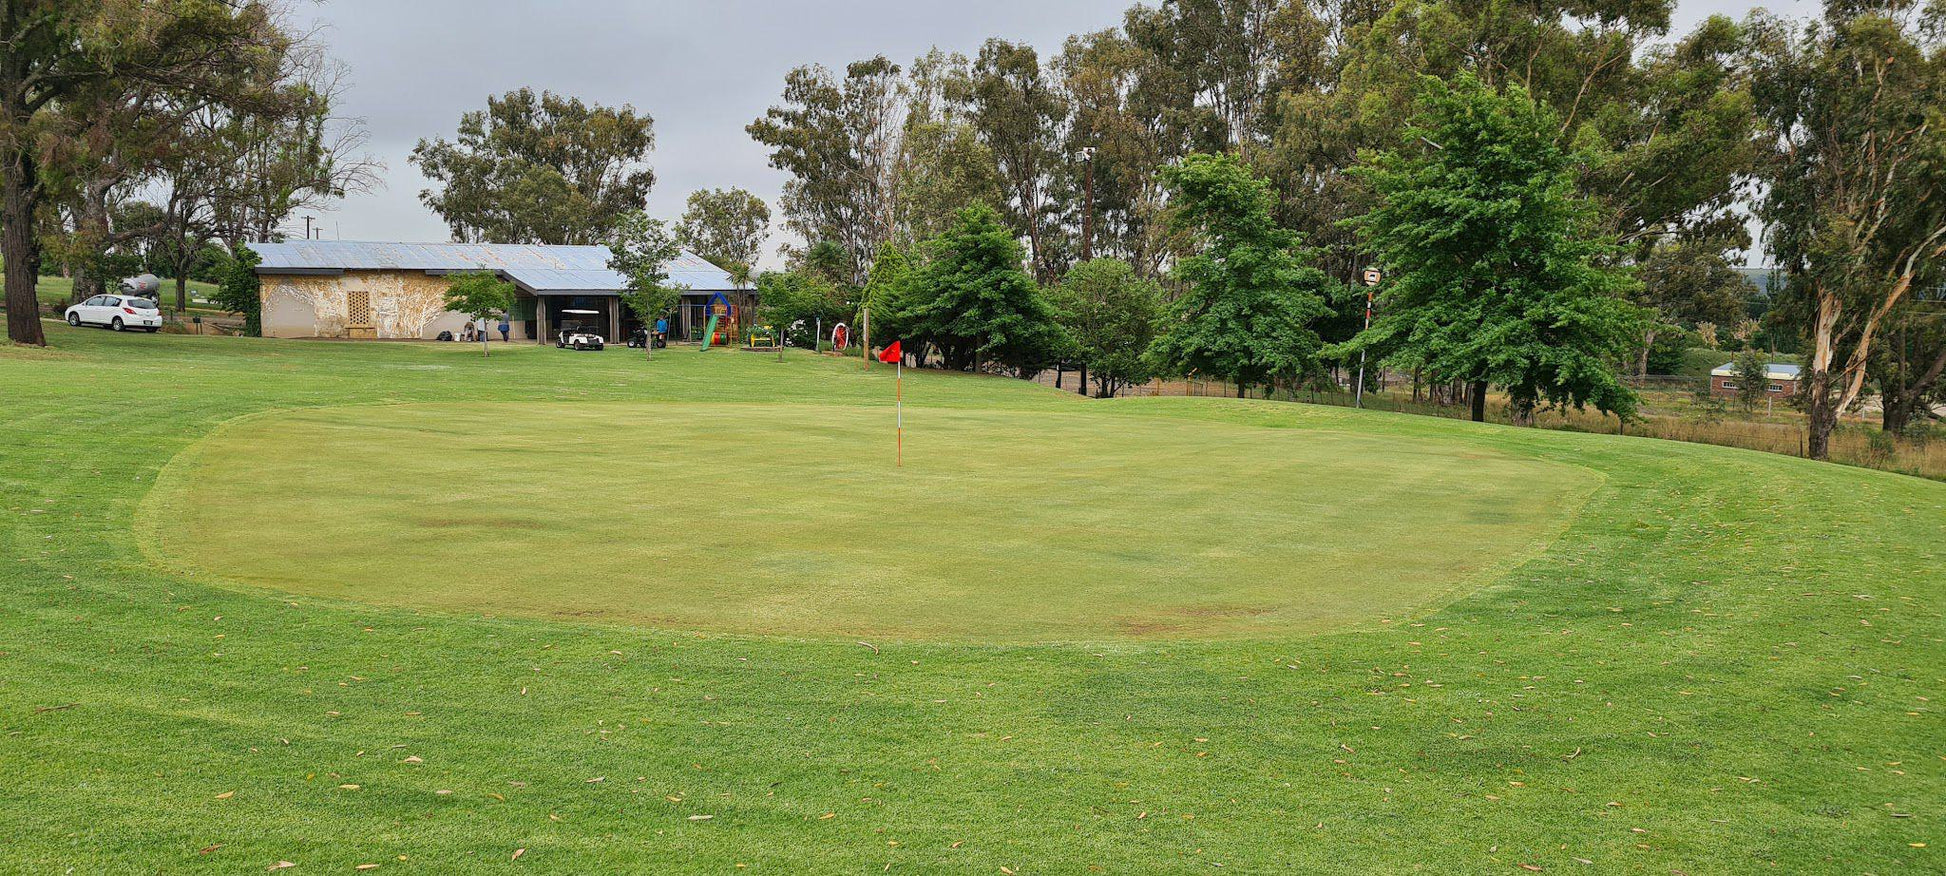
(1774,371)
(537,268)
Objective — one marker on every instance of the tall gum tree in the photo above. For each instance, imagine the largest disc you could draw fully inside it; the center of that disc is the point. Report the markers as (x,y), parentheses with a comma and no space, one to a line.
(1854,107)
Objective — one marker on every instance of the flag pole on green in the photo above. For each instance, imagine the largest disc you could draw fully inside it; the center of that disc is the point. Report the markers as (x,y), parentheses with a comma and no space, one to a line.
(893,355)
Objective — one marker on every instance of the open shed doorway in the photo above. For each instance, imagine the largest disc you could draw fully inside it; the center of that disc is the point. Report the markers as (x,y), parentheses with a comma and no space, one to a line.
(582,313)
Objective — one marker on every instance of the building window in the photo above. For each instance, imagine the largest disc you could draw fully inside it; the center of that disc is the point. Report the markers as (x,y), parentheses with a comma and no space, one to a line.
(1776,388)
(1726,385)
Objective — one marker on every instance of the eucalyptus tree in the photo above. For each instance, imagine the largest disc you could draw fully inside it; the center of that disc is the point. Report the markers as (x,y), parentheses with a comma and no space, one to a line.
(727,227)
(839,141)
(539,168)
(1855,178)
(1018,111)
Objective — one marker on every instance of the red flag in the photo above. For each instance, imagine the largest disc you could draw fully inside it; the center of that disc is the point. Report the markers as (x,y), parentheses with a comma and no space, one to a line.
(891,353)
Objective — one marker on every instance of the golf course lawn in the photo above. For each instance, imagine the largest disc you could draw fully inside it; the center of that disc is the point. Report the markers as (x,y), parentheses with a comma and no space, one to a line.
(1005,526)
(341,604)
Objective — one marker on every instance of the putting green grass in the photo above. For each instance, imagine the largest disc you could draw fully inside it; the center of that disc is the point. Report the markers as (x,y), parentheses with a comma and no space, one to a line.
(1004,526)
(1147,635)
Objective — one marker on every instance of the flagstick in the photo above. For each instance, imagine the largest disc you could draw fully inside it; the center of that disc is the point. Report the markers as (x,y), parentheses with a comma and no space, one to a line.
(898,406)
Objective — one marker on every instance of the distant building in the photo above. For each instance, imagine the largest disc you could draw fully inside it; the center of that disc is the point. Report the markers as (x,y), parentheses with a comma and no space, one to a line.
(360,289)
(1782,378)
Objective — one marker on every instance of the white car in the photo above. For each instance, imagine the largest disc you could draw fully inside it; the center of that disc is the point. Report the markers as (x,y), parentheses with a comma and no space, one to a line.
(118,312)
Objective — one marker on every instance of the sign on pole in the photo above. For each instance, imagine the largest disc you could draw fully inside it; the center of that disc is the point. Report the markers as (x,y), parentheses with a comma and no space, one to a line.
(1372,278)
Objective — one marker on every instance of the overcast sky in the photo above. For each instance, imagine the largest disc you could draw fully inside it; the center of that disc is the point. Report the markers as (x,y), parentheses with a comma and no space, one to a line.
(702,69)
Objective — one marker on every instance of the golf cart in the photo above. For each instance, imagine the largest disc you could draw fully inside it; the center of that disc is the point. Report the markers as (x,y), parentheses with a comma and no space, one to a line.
(578,335)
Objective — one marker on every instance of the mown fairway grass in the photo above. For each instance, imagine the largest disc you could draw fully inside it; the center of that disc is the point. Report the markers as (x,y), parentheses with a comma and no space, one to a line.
(1723,662)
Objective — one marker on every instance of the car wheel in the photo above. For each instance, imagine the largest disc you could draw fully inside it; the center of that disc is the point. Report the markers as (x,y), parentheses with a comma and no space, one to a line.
(74,319)
(117,324)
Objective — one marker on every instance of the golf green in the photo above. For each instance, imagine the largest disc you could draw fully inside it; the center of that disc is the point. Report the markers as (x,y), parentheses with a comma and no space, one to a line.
(792,519)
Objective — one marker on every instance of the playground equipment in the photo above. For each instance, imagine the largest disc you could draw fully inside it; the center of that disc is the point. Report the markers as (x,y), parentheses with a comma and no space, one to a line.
(723,324)
(840,337)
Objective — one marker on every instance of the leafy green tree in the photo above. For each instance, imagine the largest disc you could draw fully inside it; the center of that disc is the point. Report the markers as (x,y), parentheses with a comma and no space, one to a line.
(1251,293)
(640,249)
(971,299)
(1752,374)
(1855,202)
(797,302)
(727,227)
(241,290)
(544,168)
(1497,273)
(479,294)
(879,301)
(1110,314)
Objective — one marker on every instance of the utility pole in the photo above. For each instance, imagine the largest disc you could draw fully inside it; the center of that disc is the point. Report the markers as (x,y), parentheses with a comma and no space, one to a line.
(1372,278)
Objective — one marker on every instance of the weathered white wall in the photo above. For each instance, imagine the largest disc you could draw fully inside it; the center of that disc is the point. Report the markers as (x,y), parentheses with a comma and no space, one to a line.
(405,304)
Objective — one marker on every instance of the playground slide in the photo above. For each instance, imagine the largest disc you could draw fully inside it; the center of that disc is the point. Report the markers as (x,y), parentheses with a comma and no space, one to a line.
(709,331)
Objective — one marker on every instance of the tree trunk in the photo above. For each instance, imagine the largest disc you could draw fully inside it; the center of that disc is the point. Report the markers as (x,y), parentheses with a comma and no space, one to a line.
(87,283)
(1822,412)
(1082,372)
(182,292)
(1902,406)
(1479,401)
(92,226)
(1642,364)
(19,195)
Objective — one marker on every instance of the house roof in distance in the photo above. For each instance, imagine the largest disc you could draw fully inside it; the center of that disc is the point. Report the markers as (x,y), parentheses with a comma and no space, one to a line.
(1774,371)
(539,269)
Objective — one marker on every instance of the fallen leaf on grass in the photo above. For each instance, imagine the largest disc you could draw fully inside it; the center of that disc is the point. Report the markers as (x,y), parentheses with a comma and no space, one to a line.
(366,867)
(701,817)
(280,865)
(413,759)
(209,848)
(517,854)
(597,779)
(1534,867)
(226,795)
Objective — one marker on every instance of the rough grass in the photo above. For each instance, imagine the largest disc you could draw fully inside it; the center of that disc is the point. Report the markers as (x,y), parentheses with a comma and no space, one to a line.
(1727,662)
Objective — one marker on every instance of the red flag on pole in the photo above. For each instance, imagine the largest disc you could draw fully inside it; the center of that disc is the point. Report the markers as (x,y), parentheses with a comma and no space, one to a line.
(893,355)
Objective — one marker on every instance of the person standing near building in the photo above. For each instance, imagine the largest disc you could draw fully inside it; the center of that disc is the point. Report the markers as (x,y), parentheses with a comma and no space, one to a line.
(661,338)
(506,329)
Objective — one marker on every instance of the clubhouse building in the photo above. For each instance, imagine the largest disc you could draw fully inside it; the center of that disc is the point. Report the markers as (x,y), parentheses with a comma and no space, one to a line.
(373,290)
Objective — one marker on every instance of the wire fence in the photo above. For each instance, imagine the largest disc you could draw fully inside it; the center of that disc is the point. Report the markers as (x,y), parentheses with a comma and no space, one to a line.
(1675,407)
